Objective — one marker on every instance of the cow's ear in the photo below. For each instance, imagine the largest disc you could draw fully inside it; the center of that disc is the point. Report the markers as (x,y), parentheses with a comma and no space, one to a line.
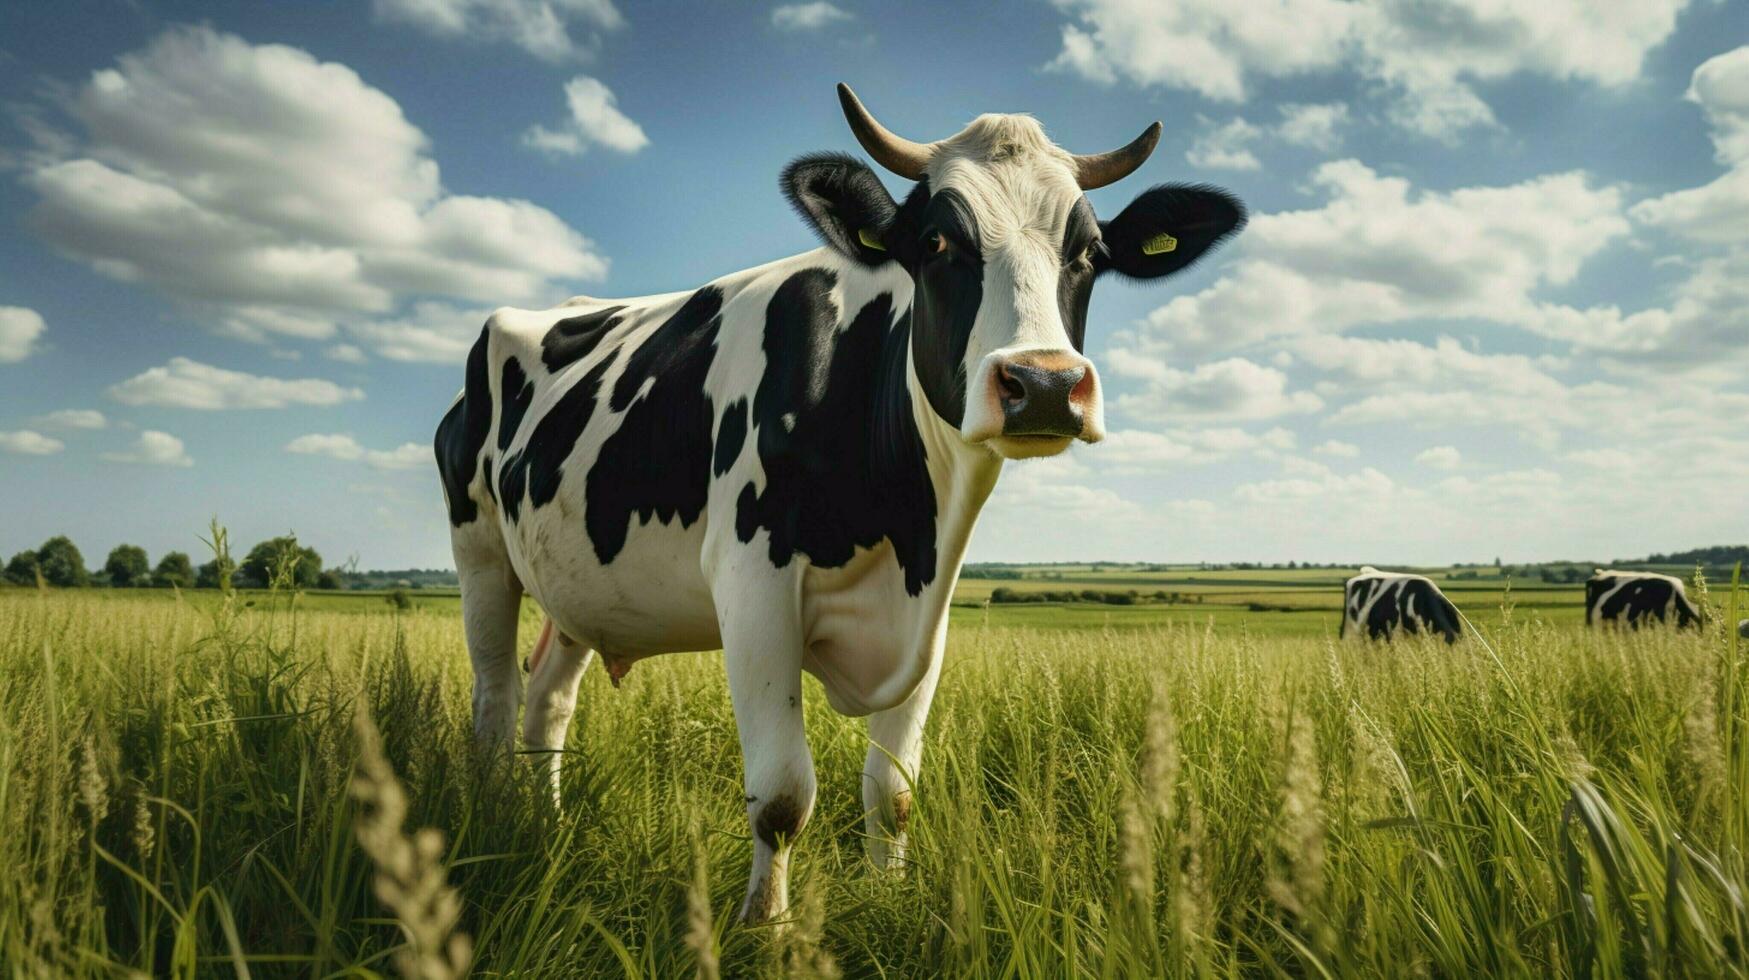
(845,203)
(1167,228)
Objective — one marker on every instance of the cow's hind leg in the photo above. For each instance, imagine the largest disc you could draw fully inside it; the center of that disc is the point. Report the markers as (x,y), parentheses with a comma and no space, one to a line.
(555,668)
(763,655)
(890,771)
(491,602)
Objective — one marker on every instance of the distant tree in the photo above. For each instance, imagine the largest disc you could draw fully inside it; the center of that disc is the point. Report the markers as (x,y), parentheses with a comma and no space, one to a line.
(265,559)
(61,563)
(127,567)
(210,576)
(330,579)
(174,569)
(21,570)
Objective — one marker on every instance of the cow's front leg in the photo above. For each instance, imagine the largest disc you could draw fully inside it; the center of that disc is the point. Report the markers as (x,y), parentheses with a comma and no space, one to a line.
(765,682)
(491,604)
(554,670)
(888,775)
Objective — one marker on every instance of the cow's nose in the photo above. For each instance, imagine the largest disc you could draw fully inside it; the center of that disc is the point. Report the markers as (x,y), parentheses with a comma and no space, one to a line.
(1043,393)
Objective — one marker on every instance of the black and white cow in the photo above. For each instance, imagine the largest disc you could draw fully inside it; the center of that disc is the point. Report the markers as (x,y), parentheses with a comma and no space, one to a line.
(1381,603)
(1633,598)
(787,462)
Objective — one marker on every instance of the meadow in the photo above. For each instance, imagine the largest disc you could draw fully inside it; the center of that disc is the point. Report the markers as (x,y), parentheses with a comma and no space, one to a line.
(201,784)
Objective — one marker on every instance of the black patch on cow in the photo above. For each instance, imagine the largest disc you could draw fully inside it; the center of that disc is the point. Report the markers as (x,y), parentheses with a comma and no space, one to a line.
(1080,258)
(844,464)
(1411,605)
(1198,216)
(656,464)
(538,466)
(571,339)
(1637,601)
(516,391)
(462,434)
(949,290)
(731,436)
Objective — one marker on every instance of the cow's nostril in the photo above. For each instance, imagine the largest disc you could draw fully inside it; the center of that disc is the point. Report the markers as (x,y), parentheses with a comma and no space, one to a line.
(1012,388)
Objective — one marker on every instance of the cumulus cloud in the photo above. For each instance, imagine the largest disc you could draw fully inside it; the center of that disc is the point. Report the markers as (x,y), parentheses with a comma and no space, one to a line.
(345,354)
(431,333)
(1377,252)
(19,330)
(184,383)
(28,443)
(1230,145)
(807,16)
(1225,147)
(1440,458)
(543,28)
(1234,388)
(76,418)
(282,191)
(595,121)
(1427,57)
(1337,448)
(339,446)
(153,448)
(1314,125)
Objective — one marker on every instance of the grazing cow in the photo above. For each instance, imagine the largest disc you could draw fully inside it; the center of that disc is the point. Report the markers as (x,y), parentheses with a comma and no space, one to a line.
(1632,598)
(1383,602)
(787,462)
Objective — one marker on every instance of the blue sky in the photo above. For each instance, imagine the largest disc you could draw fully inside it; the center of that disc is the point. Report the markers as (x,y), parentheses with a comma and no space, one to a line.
(1494,299)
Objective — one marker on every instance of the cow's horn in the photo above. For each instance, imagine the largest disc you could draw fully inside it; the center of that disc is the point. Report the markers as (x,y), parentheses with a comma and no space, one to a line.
(894,152)
(1098,169)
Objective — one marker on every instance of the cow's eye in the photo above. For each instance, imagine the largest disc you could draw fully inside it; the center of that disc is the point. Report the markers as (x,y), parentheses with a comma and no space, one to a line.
(934,243)
(1087,253)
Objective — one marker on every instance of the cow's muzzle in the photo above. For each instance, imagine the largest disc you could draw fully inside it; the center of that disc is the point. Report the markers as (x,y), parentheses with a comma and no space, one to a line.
(1034,403)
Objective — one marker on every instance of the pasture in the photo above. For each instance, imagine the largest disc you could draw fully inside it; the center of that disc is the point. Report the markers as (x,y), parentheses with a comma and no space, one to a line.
(1183,788)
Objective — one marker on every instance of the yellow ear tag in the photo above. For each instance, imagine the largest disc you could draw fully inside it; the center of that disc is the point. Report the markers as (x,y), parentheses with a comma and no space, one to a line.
(867,238)
(1159,244)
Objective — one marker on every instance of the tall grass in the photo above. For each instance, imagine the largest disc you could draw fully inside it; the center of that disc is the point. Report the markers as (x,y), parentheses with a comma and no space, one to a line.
(177,797)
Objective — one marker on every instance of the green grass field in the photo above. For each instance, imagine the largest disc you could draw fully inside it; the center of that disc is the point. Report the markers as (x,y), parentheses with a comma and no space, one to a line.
(1172,790)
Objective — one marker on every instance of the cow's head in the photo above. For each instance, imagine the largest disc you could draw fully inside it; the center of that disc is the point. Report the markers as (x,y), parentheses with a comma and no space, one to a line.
(1004,249)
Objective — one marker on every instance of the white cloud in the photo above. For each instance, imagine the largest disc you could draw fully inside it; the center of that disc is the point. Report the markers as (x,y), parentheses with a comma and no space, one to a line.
(1225,147)
(1440,458)
(1312,125)
(183,383)
(540,27)
(806,16)
(1230,145)
(284,192)
(19,330)
(595,121)
(1365,487)
(153,448)
(431,333)
(1234,388)
(1143,451)
(1378,253)
(28,443)
(1426,56)
(345,353)
(406,456)
(76,418)
(1337,448)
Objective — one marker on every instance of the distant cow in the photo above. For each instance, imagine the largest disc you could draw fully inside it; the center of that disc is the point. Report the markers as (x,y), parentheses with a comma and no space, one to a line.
(1383,602)
(1632,598)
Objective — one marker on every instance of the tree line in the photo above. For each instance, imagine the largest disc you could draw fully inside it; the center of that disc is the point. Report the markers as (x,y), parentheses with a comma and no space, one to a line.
(58,562)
